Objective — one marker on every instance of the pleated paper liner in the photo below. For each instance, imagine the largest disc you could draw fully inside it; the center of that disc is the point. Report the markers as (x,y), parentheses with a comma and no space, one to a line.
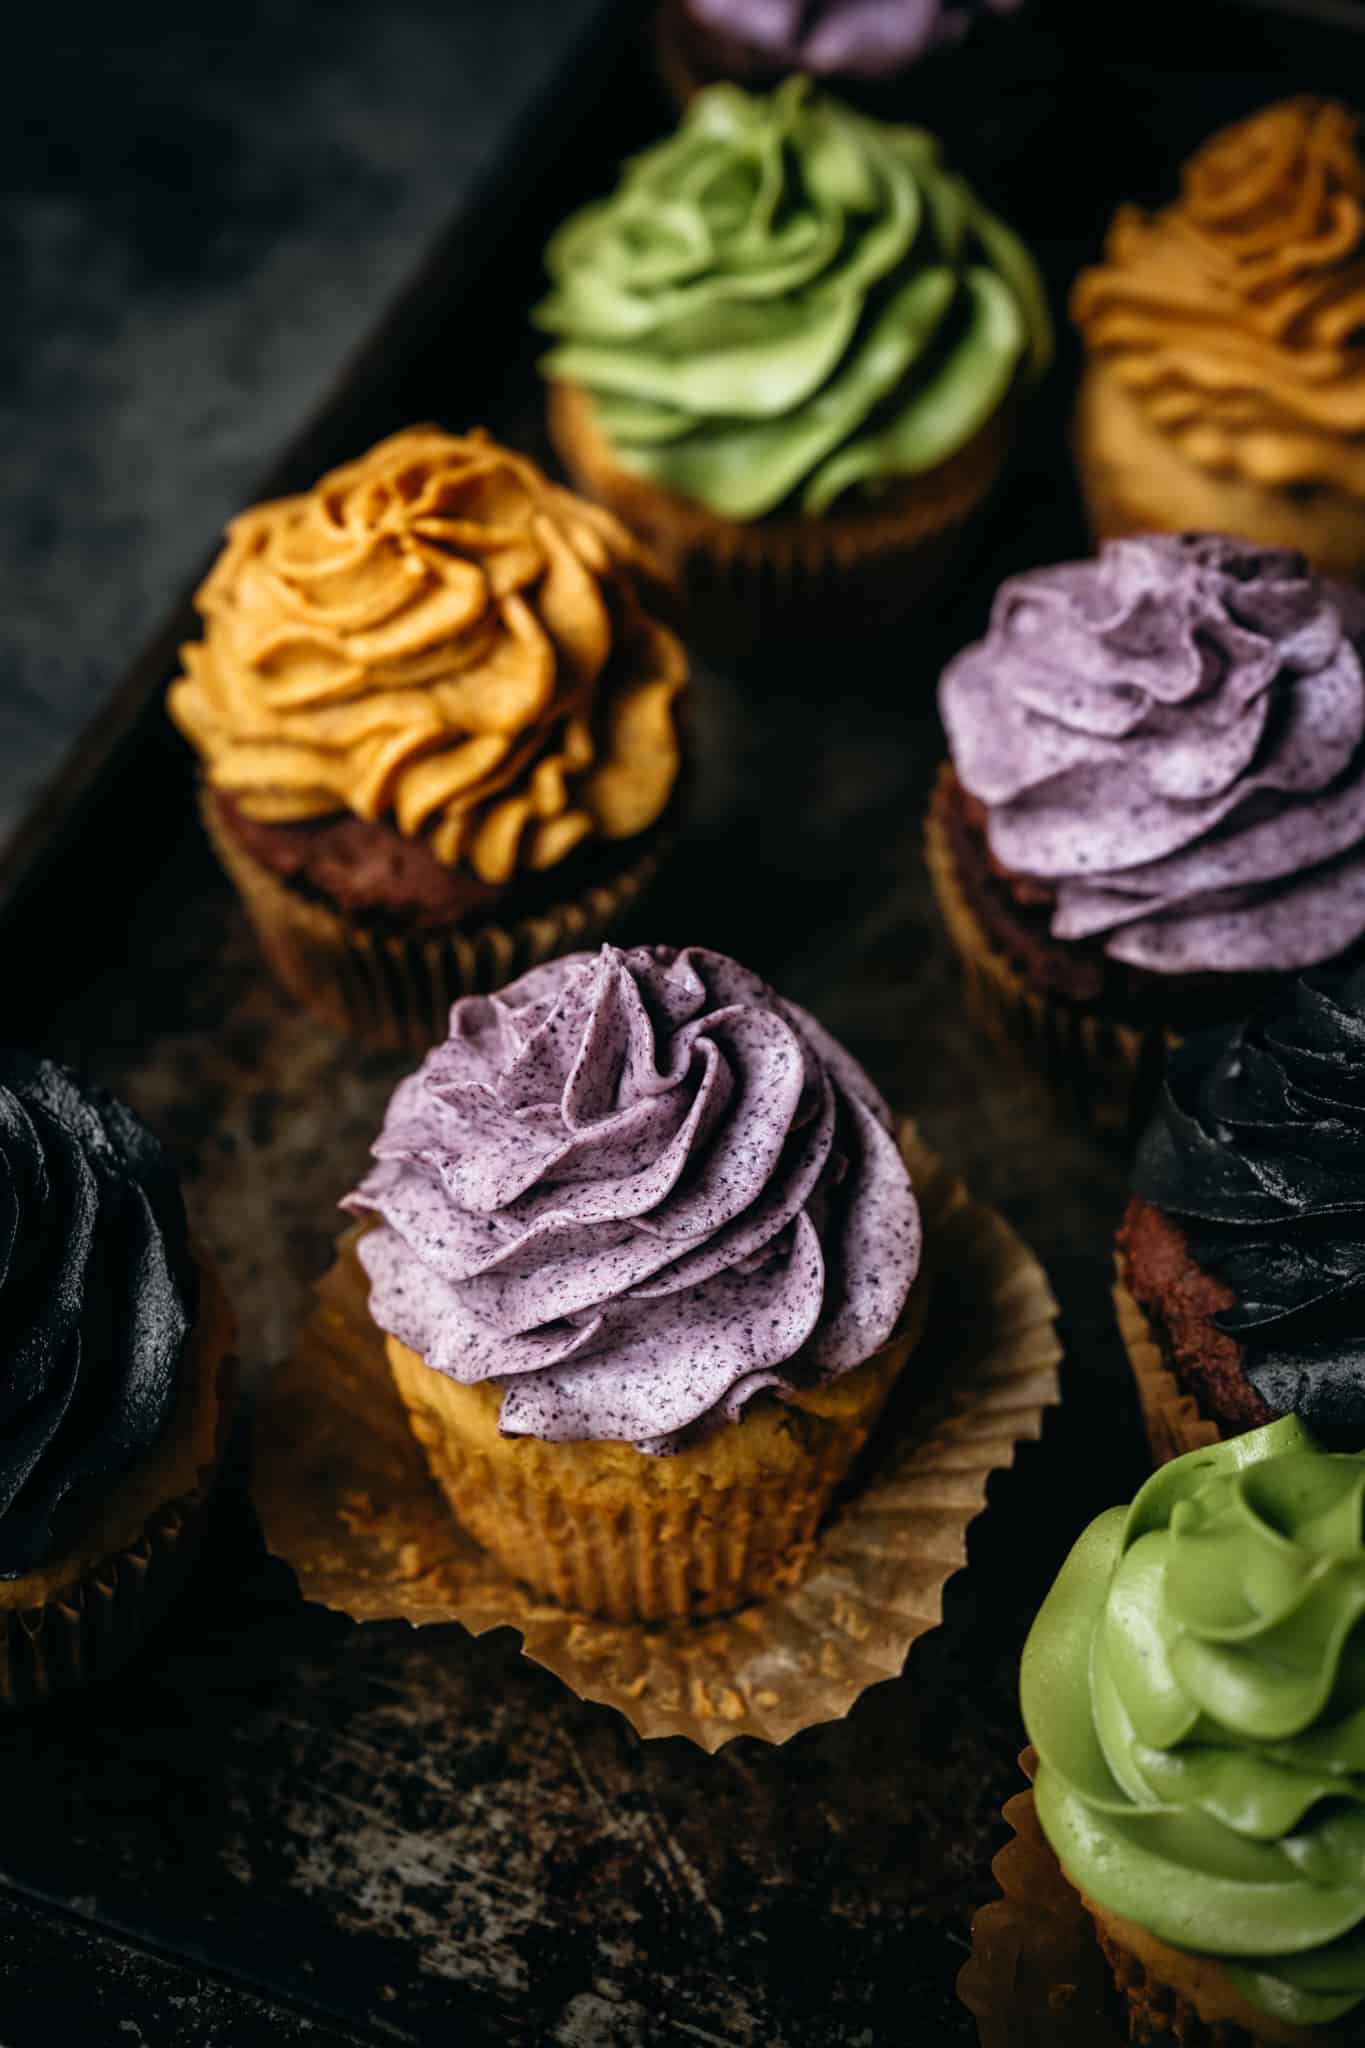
(1170,1416)
(1036,1977)
(1044,1974)
(397,992)
(89,1626)
(1098,1070)
(345,1498)
(792,586)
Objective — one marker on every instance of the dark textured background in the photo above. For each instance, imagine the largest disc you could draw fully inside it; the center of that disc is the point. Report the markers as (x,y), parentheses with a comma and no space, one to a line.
(277,1827)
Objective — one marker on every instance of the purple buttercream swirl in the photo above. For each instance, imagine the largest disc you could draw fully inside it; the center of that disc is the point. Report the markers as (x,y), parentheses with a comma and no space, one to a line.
(632,1189)
(870,39)
(1170,738)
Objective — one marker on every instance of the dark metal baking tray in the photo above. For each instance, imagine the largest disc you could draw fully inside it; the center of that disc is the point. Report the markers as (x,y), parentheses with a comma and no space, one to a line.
(277,1817)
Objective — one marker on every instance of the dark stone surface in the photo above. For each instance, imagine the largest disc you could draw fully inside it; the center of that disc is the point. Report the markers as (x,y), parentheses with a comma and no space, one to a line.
(413,1836)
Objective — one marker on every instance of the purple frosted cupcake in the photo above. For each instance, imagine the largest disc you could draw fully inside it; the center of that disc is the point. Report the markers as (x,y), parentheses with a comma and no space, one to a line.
(978,72)
(646,1260)
(1155,807)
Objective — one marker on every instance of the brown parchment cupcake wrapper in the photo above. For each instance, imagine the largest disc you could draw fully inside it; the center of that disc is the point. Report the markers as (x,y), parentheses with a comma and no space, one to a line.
(1099,1070)
(1171,1417)
(346,1500)
(794,586)
(1044,1974)
(90,1629)
(393,991)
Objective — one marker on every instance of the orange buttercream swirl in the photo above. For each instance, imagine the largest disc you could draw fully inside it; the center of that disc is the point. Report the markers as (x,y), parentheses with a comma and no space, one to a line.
(1237,315)
(440,638)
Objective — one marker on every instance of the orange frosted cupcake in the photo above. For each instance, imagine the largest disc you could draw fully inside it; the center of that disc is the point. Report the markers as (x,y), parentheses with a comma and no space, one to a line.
(1225,388)
(436,709)
(647,1261)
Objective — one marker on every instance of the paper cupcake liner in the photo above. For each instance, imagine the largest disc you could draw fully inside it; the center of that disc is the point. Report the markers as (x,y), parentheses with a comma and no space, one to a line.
(682,1548)
(345,1498)
(1048,1970)
(1097,1069)
(1172,1418)
(397,992)
(794,586)
(90,1628)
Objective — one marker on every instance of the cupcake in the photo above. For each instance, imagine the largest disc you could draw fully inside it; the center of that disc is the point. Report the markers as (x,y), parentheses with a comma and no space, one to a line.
(1192,1689)
(789,351)
(117,1380)
(436,711)
(1241,1254)
(646,1258)
(1226,346)
(1154,812)
(978,70)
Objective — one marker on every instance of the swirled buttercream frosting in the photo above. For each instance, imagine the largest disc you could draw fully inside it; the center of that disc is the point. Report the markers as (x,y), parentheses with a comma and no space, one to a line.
(785,301)
(870,39)
(439,639)
(1258,1147)
(1194,1686)
(1170,739)
(633,1189)
(97,1294)
(1237,315)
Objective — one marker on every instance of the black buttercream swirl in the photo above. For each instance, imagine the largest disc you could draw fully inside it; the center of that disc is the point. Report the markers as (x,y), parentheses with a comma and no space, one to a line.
(1259,1148)
(97,1294)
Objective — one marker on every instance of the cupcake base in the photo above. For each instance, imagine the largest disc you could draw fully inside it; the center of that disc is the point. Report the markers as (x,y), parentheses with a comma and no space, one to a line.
(792,585)
(390,990)
(1100,1069)
(609,1531)
(1135,479)
(1172,1418)
(121,1559)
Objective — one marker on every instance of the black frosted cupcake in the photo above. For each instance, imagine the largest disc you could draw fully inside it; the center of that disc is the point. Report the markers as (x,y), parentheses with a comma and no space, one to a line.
(114,1393)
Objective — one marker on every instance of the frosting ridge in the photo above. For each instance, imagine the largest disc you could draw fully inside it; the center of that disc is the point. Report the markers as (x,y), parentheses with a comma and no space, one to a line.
(1169,738)
(97,1294)
(438,638)
(786,300)
(1257,1145)
(1237,315)
(871,39)
(634,1189)
(1194,1688)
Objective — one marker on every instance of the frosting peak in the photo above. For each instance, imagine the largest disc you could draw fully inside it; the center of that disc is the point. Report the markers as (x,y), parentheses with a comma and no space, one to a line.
(1258,1145)
(97,1293)
(785,301)
(440,638)
(634,1189)
(1194,1688)
(1170,738)
(872,39)
(1237,315)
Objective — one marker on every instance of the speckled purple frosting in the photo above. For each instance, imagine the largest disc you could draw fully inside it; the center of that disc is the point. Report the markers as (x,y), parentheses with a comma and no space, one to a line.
(633,1189)
(1170,737)
(871,39)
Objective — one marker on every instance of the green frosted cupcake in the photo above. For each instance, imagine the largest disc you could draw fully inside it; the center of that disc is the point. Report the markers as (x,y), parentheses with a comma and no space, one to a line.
(1194,1687)
(790,349)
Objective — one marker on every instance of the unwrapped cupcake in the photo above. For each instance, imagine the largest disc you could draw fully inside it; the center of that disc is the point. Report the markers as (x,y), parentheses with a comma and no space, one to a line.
(436,709)
(1242,1252)
(1155,808)
(647,1258)
(1226,346)
(1195,1694)
(117,1383)
(790,351)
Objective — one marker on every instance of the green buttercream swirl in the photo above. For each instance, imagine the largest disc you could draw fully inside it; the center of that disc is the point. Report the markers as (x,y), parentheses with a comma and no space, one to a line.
(787,300)
(1194,1686)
